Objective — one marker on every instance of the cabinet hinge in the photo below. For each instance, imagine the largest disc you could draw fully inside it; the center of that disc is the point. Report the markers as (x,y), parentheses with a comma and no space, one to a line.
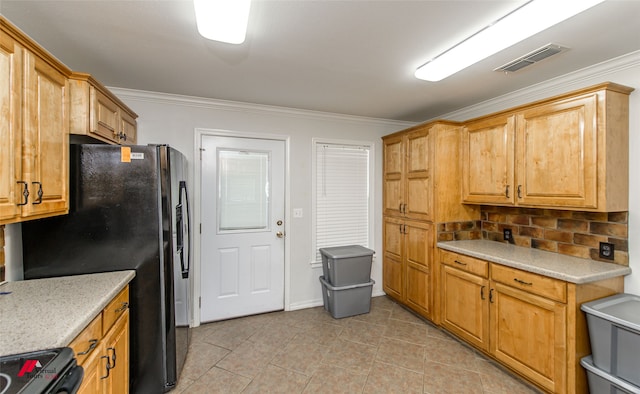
(200,302)
(200,228)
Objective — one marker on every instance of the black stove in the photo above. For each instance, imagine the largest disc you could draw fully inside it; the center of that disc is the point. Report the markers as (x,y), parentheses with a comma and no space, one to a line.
(45,371)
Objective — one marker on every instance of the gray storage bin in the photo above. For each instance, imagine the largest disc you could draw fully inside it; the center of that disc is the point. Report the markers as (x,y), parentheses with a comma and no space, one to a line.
(614,333)
(346,265)
(344,301)
(602,382)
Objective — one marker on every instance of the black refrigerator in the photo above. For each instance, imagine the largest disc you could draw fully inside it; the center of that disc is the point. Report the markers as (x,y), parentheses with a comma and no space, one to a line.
(129,209)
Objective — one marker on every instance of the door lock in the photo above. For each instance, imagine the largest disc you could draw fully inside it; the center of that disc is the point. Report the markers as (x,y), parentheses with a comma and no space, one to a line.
(279,234)
(279,222)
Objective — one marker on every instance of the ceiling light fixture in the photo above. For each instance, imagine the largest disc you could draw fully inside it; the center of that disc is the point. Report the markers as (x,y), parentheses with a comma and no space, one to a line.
(222,20)
(525,21)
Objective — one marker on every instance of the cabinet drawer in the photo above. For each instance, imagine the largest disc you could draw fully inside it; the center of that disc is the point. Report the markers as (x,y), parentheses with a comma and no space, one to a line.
(544,286)
(465,263)
(87,340)
(115,309)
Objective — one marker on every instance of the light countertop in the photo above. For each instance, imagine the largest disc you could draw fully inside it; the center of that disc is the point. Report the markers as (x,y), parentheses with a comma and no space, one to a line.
(47,313)
(554,265)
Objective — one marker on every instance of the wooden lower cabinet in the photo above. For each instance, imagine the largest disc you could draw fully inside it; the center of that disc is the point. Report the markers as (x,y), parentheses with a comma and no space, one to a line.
(530,323)
(105,357)
(407,263)
(528,334)
(465,311)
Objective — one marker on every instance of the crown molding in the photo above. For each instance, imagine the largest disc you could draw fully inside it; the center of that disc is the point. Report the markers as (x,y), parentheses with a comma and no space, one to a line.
(591,75)
(131,95)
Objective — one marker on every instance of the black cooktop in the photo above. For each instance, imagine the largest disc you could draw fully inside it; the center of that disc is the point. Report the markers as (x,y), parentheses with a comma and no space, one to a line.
(34,372)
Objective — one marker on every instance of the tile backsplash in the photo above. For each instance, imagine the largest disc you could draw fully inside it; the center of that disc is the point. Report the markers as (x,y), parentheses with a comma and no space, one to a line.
(573,233)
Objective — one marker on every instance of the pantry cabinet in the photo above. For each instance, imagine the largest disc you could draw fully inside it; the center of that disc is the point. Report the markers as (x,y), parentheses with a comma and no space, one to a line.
(407,175)
(407,262)
(528,322)
(568,152)
(419,178)
(35,140)
(98,113)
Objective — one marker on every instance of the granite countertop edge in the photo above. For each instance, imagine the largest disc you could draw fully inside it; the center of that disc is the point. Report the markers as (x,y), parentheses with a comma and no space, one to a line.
(49,313)
(568,268)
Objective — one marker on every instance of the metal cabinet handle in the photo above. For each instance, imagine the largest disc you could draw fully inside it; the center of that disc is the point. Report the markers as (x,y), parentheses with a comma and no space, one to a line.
(519,191)
(482,292)
(404,208)
(523,282)
(459,262)
(506,191)
(404,229)
(39,193)
(113,357)
(107,367)
(92,345)
(25,193)
(400,208)
(491,296)
(122,307)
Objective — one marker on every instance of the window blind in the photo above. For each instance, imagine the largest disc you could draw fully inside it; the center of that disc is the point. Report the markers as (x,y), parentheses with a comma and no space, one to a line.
(342,196)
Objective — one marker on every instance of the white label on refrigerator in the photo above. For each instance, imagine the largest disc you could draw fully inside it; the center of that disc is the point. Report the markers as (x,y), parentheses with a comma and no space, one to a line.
(137,156)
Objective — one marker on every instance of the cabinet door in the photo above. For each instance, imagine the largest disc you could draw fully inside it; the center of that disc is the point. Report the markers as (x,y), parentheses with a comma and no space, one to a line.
(418,239)
(95,367)
(46,138)
(393,273)
(10,128)
(116,345)
(418,176)
(128,127)
(557,154)
(104,115)
(393,186)
(528,333)
(465,306)
(487,161)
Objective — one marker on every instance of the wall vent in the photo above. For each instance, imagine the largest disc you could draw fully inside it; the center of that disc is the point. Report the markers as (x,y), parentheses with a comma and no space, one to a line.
(532,57)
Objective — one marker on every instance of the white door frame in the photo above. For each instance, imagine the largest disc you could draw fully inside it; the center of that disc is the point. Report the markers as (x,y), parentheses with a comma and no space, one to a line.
(197,189)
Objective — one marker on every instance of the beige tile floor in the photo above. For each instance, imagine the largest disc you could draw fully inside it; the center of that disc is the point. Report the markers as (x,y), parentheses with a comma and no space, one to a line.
(388,350)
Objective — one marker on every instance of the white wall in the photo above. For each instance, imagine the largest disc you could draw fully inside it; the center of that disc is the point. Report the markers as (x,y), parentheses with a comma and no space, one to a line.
(173,119)
(624,70)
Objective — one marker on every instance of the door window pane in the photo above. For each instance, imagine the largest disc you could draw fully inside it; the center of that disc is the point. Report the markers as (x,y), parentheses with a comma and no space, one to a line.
(243,190)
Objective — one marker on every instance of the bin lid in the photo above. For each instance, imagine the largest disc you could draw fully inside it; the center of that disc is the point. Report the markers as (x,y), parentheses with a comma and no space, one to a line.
(621,309)
(587,363)
(342,252)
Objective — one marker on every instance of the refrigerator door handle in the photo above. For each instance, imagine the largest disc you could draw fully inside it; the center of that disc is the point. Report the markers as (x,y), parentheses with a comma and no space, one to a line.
(180,218)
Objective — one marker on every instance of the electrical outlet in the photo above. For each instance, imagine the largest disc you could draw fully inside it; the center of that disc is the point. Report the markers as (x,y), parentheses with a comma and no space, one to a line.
(507,234)
(606,250)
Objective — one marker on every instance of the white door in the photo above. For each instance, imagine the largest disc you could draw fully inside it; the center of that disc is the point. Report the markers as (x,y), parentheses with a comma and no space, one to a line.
(242,252)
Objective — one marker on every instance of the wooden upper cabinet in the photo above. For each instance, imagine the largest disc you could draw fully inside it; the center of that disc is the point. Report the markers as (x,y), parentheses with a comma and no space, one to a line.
(487,160)
(46,140)
(557,154)
(98,113)
(34,129)
(393,175)
(10,127)
(407,175)
(568,152)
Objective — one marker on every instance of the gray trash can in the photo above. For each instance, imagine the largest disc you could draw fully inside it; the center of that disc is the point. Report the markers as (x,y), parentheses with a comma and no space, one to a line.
(346,265)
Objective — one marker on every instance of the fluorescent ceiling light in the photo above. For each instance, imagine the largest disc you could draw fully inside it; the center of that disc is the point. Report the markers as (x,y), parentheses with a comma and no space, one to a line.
(222,20)
(527,20)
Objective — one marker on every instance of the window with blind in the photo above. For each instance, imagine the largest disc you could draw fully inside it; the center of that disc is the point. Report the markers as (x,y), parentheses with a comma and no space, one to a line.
(343,195)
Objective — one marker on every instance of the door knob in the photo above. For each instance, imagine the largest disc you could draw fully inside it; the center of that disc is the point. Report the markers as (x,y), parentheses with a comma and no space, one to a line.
(279,234)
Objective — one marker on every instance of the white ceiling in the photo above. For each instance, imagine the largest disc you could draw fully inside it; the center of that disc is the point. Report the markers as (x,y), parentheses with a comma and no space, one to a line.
(351,57)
